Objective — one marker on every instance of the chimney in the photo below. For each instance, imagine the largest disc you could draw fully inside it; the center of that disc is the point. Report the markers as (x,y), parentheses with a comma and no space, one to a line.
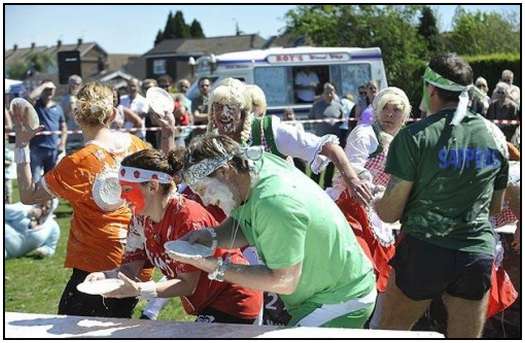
(15,47)
(32,45)
(79,42)
(59,44)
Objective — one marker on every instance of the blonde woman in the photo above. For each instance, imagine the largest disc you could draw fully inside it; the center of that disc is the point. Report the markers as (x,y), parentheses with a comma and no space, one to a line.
(259,105)
(366,149)
(88,180)
(231,114)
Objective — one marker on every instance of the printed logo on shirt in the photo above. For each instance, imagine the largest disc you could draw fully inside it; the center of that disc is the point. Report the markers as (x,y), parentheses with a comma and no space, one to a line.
(479,158)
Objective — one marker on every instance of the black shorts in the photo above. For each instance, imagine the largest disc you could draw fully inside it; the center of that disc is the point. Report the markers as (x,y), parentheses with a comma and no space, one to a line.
(425,271)
(75,303)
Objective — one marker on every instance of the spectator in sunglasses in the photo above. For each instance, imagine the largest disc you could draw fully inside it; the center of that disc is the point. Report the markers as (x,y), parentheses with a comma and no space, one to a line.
(199,106)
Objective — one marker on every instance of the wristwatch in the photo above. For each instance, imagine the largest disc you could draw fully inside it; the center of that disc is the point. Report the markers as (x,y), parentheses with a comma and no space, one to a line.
(218,273)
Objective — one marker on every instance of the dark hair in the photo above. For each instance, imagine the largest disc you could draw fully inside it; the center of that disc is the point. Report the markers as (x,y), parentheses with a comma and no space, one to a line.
(165,79)
(116,97)
(207,146)
(156,160)
(453,68)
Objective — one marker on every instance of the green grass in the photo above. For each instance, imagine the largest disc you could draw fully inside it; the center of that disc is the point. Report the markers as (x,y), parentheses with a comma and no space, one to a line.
(35,285)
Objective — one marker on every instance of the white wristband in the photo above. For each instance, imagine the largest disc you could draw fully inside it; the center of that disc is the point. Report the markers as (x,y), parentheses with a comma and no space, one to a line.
(22,155)
(148,290)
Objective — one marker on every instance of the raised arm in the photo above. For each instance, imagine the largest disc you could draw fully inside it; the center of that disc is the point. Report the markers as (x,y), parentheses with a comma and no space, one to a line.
(318,151)
(30,192)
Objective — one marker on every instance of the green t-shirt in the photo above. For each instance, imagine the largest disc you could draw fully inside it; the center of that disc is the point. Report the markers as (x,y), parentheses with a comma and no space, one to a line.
(455,171)
(290,219)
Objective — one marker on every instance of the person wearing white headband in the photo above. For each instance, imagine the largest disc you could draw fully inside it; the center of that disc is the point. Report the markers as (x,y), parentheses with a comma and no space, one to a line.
(149,188)
(366,149)
(448,171)
(88,180)
(311,257)
(231,114)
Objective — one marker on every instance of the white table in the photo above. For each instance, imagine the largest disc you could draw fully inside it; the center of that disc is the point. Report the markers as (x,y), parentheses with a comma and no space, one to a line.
(29,325)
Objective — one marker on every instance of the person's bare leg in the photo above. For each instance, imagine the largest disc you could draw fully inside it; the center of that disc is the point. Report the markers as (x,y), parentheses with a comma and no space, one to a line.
(399,312)
(466,318)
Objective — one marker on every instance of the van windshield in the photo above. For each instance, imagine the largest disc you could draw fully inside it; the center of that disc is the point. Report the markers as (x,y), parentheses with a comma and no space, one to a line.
(287,85)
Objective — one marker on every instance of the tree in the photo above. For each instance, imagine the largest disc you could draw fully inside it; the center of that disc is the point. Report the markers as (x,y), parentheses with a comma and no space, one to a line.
(169,33)
(18,70)
(392,28)
(429,30)
(158,38)
(476,33)
(196,29)
(176,27)
(36,61)
(179,26)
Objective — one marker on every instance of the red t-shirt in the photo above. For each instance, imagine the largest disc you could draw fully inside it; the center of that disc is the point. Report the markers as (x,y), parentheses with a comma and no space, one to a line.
(182,216)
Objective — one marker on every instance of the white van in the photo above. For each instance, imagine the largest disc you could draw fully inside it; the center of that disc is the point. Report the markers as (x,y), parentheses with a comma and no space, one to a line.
(276,71)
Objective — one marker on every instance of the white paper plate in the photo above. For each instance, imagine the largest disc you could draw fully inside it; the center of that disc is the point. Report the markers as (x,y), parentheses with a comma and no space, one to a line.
(99,287)
(106,190)
(185,249)
(29,115)
(159,100)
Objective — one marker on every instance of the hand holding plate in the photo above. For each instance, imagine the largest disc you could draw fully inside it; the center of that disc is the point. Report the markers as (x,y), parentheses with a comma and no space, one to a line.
(127,290)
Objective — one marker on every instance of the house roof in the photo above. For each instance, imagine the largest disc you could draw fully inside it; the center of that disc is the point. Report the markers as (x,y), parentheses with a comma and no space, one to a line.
(117,61)
(286,40)
(108,76)
(11,56)
(201,46)
(136,67)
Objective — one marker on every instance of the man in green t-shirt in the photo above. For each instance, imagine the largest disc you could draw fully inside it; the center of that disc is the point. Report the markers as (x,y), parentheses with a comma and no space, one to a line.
(448,172)
(311,256)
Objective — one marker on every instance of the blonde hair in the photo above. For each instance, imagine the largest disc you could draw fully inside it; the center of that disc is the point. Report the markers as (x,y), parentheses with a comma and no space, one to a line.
(94,104)
(258,98)
(391,95)
(505,87)
(231,91)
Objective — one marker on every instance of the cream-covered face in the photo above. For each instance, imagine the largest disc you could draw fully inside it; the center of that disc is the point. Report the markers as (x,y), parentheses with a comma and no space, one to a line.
(391,118)
(212,191)
(226,117)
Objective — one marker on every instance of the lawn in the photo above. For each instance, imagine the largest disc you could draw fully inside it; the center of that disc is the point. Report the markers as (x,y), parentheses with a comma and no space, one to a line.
(35,285)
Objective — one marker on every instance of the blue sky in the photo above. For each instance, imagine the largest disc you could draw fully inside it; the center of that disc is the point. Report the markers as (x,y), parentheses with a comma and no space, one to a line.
(132,28)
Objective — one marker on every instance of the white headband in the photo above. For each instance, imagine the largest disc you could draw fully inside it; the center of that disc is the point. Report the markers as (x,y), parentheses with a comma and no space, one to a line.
(138,175)
(203,168)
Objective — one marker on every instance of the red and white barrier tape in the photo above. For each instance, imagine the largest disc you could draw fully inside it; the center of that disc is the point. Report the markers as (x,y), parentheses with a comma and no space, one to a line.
(304,121)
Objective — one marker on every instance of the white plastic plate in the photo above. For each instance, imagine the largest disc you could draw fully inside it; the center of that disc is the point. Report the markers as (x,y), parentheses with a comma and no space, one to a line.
(29,115)
(185,249)
(159,100)
(99,287)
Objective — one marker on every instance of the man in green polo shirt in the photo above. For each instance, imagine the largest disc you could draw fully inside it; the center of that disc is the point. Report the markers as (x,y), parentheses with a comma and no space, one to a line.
(448,172)
(311,256)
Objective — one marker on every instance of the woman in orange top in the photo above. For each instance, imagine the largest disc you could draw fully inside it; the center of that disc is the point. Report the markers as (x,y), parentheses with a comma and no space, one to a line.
(88,179)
